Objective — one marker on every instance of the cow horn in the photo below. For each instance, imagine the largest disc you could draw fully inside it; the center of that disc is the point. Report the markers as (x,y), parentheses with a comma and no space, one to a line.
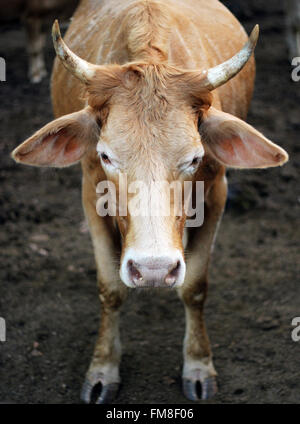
(219,75)
(80,68)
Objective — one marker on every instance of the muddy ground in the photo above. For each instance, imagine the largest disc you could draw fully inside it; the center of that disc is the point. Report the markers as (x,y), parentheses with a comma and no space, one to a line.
(48,279)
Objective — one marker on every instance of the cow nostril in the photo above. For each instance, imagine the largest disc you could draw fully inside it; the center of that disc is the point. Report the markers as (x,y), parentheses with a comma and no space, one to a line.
(135,274)
(173,274)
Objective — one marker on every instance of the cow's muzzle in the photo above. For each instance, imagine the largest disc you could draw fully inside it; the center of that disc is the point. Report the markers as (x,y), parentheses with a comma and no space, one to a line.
(163,271)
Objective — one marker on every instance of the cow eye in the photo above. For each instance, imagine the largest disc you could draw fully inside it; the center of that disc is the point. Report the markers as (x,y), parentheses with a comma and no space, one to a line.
(195,162)
(105,158)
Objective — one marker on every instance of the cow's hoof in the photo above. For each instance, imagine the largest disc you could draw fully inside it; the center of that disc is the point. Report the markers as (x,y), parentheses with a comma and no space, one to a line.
(196,390)
(99,393)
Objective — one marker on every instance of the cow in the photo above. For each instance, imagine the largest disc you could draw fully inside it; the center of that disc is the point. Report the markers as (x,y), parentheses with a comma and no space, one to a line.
(146,89)
(293,27)
(36,16)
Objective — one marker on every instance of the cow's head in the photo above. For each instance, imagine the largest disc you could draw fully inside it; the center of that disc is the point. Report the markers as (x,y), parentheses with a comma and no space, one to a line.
(153,123)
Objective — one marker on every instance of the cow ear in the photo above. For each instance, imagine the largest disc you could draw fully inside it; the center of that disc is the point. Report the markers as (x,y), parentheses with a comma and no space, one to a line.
(237,144)
(60,143)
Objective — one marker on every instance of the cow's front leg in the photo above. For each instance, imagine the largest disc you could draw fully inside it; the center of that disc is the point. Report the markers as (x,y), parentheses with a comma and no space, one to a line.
(104,367)
(198,369)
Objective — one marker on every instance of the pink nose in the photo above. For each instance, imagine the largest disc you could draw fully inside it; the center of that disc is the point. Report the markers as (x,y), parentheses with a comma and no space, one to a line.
(154,272)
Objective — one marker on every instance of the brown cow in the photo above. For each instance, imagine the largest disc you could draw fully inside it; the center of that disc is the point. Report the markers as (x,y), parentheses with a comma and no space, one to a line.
(148,99)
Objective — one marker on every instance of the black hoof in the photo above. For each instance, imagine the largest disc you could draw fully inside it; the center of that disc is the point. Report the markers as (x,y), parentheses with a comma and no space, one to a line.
(196,390)
(90,392)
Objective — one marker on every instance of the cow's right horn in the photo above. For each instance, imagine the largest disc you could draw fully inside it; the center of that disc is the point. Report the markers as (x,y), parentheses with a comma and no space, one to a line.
(220,74)
(80,68)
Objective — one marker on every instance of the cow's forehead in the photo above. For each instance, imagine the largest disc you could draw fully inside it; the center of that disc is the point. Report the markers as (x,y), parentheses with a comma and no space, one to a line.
(126,124)
(135,141)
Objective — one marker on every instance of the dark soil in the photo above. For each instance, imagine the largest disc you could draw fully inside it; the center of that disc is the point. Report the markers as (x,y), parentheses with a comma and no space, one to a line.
(48,278)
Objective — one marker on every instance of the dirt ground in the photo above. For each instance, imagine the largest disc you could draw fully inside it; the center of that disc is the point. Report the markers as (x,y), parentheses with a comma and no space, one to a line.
(48,292)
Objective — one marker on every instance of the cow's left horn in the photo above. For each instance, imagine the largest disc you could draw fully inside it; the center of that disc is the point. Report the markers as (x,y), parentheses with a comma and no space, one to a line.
(214,77)
(80,68)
